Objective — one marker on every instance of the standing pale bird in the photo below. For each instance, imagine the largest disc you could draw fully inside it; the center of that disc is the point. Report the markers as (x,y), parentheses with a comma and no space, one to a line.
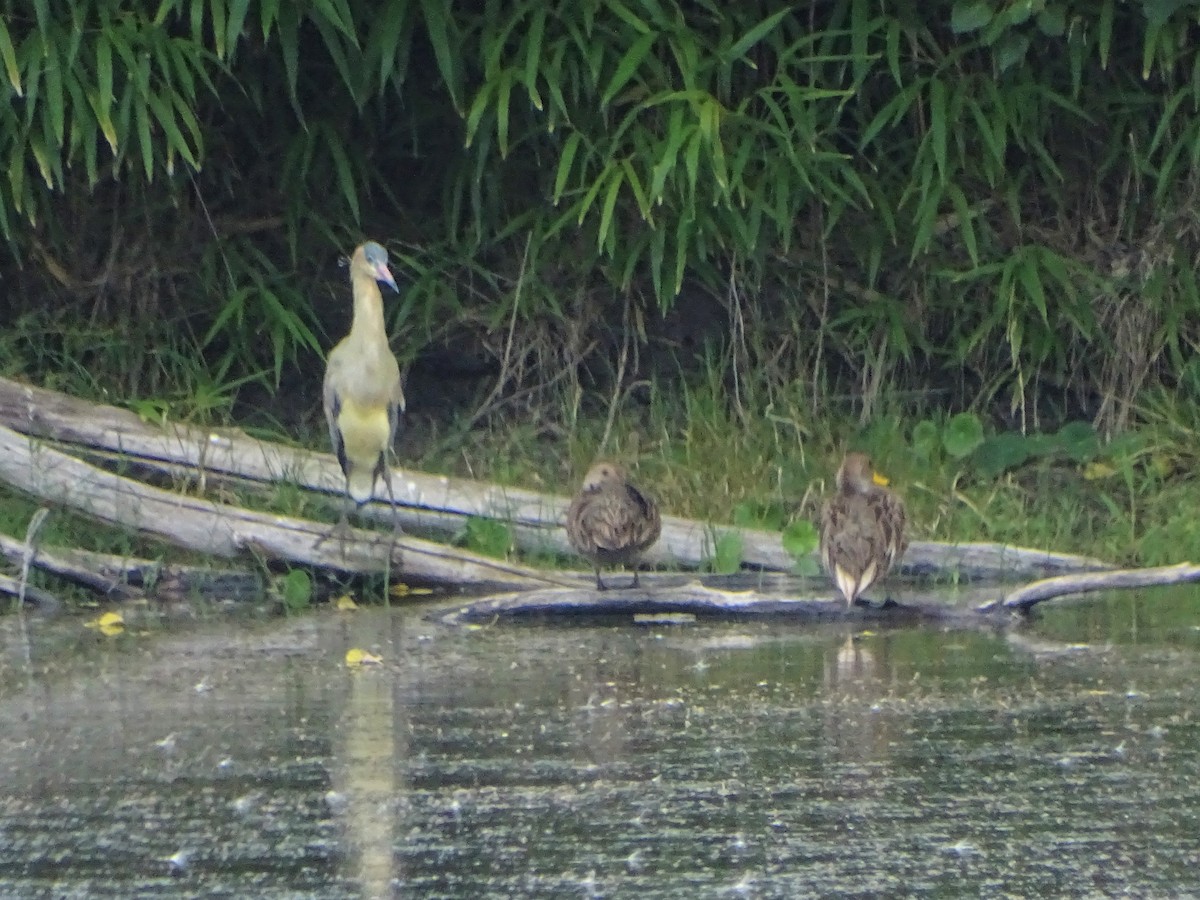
(363,396)
(610,521)
(862,528)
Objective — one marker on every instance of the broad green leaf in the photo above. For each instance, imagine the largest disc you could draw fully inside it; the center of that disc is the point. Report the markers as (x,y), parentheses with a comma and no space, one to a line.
(295,590)
(926,439)
(490,537)
(970,15)
(962,434)
(800,539)
(999,453)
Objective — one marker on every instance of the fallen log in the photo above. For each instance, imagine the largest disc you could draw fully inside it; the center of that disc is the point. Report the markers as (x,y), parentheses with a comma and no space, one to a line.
(695,600)
(227,531)
(125,578)
(444,504)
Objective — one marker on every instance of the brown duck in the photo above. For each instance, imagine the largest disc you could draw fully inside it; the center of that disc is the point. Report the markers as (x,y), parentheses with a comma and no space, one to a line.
(610,521)
(862,528)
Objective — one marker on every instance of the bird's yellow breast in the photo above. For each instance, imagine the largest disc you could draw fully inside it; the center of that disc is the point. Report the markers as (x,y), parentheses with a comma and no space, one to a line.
(365,431)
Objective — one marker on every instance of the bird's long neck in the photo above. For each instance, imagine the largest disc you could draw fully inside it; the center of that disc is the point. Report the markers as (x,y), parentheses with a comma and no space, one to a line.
(368,309)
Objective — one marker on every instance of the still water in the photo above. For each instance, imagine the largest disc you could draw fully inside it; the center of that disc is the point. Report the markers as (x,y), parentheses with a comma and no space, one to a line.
(244,759)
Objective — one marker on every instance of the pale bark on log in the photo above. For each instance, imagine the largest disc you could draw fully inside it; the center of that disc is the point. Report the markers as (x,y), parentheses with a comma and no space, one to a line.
(443,503)
(226,531)
(125,578)
(43,600)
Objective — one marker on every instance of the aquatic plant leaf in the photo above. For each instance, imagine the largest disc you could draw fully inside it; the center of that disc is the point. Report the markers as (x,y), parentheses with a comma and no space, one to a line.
(295,589)
(488,536)
(727,553)
(800,539)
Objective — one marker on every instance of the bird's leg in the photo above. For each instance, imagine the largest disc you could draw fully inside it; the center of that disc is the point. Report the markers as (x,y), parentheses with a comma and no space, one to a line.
(599,584)
(635,577)
(387,481)
(341,530)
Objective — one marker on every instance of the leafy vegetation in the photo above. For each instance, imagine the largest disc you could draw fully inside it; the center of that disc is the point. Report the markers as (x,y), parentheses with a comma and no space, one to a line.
(962,233)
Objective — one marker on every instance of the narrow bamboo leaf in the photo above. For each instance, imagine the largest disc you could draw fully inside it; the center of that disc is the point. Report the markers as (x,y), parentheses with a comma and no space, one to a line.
(639,193)
(590,195)
(170,128)
(55,98)
(479,106)
(604,232)
(755,34)
(141,117)
(534,51)
(565,163)
(9,55)
(289,46)
(938,123)
(626,14)
(1031,281)
(386,31)
(41,10)
(438,16)
(628,65)
(503,96)
(218,27)
(345,173)
(1104,31)
(268,14)
(42,157)
(332,38)
(237,21)
(966,224)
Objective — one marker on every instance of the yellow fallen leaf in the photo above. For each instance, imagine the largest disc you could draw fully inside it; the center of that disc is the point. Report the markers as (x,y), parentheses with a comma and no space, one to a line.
(109,624)
(345,602)
(400,589)
(356,657)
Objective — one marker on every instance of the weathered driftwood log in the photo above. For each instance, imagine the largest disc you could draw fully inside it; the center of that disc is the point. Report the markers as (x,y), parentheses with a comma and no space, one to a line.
(129,578)
(442,503)
(227,531)
(695,600)
(45,601)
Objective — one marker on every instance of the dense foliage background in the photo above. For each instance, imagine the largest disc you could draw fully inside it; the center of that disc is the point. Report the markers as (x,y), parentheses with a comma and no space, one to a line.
(833,205)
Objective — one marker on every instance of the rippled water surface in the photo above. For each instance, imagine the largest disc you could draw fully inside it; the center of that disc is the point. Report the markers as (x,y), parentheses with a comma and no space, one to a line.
(245,760)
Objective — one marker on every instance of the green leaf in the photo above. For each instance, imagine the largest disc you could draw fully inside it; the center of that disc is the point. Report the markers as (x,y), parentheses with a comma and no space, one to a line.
(1052,21)
(438,16)
(970,15)
(962,434)
(1000,453)
(1011,50)
(755,34)
(9,55)
(1079,441)
(491,537)
(800,539)
(295,590)
(926,440)
(628,65)
(727,553)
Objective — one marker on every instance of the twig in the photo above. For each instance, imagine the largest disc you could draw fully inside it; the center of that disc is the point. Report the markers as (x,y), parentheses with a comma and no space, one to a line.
(1027,596)
(29,549)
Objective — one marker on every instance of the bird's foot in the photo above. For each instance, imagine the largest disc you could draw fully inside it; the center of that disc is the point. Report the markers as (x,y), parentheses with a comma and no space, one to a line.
(340,531)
